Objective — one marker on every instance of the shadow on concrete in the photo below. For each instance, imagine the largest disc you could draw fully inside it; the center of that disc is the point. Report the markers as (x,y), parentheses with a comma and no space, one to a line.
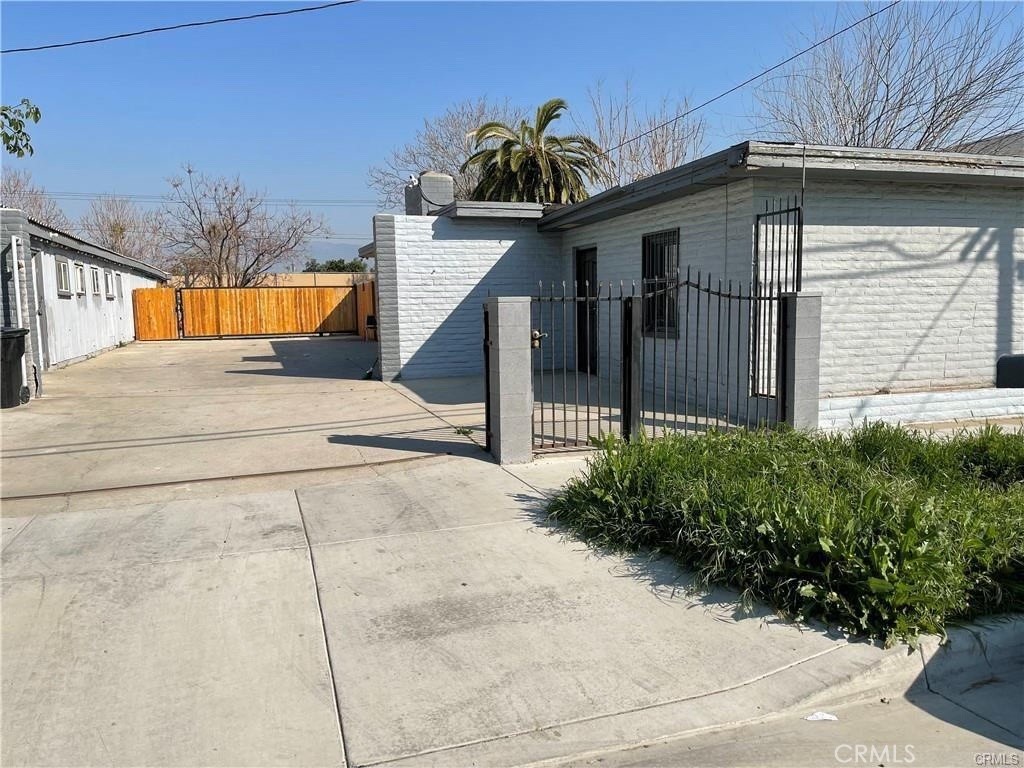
(449,390)
(314,357)
(977,680)
(976,685)
(664,577)
(441,441)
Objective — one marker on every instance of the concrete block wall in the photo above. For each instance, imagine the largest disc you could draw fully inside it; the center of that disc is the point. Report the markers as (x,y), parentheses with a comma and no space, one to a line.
(922,285)
(434,275)
(14,223)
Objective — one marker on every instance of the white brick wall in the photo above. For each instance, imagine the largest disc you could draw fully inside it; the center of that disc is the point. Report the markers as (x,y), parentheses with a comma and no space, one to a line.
(715,233)
(922,285)
(715,236)
(921,407)
(436,286)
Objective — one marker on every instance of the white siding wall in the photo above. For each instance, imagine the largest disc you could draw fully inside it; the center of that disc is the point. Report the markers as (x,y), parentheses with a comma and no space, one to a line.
(922,285)
(434,282)
(83,324)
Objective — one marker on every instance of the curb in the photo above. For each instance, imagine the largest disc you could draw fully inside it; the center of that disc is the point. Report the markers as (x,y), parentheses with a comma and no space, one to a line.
(752,701)
(981,647)
(852,671)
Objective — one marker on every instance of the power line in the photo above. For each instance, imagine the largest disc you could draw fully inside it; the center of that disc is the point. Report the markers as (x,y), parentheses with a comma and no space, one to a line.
(79,230)
(748,81)
(154,198)
(173,27)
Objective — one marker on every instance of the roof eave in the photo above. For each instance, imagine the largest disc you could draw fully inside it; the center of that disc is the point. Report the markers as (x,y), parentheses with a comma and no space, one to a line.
(713,170)
(42,231)
(764,159)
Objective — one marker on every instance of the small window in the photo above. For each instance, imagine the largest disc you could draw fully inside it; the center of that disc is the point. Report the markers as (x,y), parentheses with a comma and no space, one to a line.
(108,283)
(80,279)
(120,287)
(660,269)
(95,281)
(63,278)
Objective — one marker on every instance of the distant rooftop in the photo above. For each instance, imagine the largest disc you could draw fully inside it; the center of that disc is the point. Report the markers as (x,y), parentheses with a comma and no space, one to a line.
(1011,144)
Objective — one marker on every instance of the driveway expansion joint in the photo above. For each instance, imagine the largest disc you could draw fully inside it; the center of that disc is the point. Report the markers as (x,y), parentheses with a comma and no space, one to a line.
(323,633)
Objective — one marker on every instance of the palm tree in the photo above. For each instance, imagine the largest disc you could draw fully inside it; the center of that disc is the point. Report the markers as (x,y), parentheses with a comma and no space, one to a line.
(528,165)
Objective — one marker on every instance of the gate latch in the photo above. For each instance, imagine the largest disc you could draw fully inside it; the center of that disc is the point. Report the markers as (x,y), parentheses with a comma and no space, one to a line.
(535,337)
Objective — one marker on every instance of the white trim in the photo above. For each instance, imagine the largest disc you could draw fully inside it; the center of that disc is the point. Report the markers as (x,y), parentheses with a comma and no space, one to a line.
(17,254)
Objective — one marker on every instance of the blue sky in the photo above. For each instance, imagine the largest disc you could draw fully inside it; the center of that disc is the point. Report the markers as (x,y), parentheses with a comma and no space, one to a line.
(301,106)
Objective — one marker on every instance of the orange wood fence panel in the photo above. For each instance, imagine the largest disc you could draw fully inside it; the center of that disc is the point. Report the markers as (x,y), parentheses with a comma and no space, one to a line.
(267,311)
(366,305)
(155,319)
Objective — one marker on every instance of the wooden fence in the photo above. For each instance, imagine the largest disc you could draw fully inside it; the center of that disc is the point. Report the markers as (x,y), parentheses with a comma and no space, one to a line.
(155,313)
(168,313)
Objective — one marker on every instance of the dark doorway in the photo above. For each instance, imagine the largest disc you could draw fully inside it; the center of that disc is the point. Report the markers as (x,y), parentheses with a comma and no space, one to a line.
(586,310)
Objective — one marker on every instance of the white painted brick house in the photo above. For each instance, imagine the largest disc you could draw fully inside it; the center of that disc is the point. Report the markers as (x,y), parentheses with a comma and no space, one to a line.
(918,258)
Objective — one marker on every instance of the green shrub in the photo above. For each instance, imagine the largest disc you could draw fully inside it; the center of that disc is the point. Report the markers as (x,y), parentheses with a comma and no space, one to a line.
(884,532)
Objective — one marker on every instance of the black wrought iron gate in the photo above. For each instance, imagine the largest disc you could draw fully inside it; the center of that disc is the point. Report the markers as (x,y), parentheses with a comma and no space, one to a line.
(686,354)
(698,371)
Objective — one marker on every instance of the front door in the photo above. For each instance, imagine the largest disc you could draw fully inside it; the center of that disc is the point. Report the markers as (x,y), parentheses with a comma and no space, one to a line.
(586,310)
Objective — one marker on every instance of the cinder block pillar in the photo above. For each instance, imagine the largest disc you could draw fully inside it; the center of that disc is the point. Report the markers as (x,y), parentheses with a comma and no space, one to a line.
(801,358)
(388,326)
(510,379)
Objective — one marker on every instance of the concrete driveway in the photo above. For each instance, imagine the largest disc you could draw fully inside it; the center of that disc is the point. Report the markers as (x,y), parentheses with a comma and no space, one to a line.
(370,590)
(155,420)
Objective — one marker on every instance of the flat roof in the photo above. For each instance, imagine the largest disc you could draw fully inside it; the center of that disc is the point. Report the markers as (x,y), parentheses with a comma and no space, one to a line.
(753,159)
(43,231)
(475,209)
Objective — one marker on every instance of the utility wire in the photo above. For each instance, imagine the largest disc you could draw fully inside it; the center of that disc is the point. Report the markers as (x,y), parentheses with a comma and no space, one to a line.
(748,81)
(173,27)
(142,198)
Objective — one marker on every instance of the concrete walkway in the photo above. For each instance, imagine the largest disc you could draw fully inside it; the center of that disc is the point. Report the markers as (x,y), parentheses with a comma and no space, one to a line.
(379,613)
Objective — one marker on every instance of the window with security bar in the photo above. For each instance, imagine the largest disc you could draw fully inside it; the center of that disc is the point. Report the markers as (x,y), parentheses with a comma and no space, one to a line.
(660,268)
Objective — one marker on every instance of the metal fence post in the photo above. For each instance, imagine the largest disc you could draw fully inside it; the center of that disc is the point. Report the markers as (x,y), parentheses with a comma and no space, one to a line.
(487,381)
(799,345)
(632,366)
(509,379)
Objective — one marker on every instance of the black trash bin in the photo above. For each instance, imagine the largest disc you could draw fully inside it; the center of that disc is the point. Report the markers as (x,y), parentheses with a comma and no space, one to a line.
(12,348)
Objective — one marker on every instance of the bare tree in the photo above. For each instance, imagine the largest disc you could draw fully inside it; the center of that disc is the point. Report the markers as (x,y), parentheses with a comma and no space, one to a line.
(918,76)
(221,234)
(124,227)
(18,191)
(663,142)
(443,144)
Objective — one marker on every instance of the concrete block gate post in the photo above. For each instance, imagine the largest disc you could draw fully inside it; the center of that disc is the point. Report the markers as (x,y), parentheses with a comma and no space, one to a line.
(510,377)
(801,358)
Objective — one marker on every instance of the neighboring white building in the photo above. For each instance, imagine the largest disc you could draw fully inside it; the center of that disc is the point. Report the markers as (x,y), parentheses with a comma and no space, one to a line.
(75,297)
(918,256)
